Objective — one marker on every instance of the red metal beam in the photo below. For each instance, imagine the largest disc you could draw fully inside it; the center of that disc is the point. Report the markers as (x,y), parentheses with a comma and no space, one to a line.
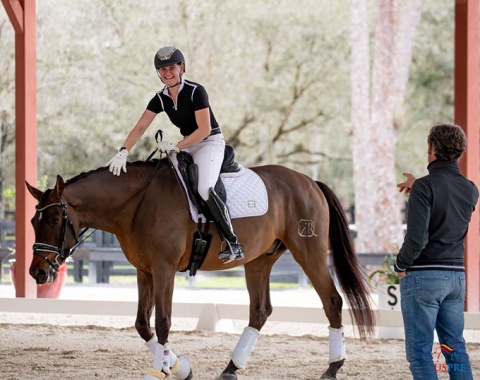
(15,13)
(22,14)
(467,116)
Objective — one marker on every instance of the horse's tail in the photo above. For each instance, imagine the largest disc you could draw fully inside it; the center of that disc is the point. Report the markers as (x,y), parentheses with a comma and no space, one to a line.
(347,265)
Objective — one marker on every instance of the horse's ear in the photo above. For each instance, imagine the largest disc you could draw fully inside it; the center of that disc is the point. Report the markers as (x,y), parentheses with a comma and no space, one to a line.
(37,194)
(59,186)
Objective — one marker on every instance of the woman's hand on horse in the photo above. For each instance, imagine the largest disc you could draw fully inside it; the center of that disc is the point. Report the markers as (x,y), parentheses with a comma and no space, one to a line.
(166,146)
(407,184)
(118,163)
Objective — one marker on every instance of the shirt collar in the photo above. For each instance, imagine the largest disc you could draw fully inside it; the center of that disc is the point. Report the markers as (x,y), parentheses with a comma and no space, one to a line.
(443,165)
(181,85)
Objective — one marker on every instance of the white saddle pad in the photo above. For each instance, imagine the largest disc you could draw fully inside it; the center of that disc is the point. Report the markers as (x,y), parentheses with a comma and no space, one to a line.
(246,193)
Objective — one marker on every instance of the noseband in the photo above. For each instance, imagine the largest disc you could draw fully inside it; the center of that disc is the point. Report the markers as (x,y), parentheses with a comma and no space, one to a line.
(60,250)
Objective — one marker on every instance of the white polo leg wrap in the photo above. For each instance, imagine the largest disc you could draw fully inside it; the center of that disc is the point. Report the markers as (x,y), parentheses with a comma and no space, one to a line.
(336,344)
(179,366)
(161,360)
(154,373)
(241,352)
(157,350)
(166,358)
(151,344)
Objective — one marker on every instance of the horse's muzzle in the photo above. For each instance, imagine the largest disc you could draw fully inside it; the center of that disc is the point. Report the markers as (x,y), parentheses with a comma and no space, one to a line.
(42,275)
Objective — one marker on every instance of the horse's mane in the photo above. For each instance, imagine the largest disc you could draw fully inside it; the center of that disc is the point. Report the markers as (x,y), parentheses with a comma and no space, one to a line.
(151,163)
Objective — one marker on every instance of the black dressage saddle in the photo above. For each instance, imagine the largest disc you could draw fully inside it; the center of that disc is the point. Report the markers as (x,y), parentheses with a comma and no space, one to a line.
(189,172)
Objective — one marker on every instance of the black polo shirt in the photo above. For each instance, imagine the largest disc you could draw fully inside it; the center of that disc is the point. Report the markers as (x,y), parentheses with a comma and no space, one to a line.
(191,97)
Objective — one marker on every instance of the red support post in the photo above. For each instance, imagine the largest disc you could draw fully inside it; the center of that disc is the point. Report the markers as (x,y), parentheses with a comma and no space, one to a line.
(22,14)
(467,116)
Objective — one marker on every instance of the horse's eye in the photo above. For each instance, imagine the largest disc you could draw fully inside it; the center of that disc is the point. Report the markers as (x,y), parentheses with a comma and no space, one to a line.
(54,221)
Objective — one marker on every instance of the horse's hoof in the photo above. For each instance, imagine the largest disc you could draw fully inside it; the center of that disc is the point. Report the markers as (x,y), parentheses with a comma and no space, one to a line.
(227,376)
(182,368)
(331,372)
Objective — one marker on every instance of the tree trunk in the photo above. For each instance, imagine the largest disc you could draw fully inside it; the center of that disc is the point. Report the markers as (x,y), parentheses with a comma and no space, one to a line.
(378,216)
(360,116)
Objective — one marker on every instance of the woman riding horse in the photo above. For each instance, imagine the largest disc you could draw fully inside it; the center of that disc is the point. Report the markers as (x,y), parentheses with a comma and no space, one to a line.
(186,104)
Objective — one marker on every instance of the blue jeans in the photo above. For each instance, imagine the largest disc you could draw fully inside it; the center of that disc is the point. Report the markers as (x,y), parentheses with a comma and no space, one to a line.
(433,299)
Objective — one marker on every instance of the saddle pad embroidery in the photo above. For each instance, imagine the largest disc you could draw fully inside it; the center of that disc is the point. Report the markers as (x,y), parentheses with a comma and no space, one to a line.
(246,193)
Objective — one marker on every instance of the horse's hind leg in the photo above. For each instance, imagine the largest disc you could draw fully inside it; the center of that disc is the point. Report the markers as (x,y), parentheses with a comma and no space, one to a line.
(316,268)
(257,275)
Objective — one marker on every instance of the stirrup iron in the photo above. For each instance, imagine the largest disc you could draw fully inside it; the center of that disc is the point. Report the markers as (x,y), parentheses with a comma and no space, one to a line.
(230,253)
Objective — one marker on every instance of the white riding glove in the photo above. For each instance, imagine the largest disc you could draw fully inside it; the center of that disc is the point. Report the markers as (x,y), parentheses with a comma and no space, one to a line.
(166,146)
(118,163)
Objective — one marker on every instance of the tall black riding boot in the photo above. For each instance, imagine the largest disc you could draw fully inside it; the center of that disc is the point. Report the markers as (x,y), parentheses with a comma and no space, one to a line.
(221,216)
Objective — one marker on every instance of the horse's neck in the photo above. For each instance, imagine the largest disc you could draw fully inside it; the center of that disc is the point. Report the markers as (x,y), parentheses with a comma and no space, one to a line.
(99,201)
(90,208)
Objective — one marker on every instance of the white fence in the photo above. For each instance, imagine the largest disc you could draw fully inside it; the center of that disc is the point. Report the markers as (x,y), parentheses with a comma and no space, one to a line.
(208,315)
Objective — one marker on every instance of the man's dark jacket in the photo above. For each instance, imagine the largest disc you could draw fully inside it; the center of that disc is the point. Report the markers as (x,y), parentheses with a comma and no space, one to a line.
(439,211)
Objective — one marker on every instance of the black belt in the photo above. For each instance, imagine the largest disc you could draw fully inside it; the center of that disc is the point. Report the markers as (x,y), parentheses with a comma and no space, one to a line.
(215,131)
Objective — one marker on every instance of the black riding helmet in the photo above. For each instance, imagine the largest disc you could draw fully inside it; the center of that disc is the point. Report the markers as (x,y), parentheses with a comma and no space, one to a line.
(168,55)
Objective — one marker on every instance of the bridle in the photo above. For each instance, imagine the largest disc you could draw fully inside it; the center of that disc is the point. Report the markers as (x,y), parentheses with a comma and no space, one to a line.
(60,250)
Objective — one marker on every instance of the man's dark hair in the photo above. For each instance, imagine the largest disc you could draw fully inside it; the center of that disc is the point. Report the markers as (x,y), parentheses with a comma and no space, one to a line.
(449,141)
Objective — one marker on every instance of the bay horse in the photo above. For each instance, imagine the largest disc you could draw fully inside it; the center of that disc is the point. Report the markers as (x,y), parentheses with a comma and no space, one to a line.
(146,210)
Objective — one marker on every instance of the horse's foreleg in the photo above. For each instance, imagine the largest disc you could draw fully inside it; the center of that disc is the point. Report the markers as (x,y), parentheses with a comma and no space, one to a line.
(145,305)
(165,361)
(257,275)
(142,323)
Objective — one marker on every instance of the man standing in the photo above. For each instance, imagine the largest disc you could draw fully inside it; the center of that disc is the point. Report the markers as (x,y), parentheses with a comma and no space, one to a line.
(430,263)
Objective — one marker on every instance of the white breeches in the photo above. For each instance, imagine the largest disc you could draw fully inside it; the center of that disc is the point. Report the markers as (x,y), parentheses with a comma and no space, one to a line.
(208,155)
